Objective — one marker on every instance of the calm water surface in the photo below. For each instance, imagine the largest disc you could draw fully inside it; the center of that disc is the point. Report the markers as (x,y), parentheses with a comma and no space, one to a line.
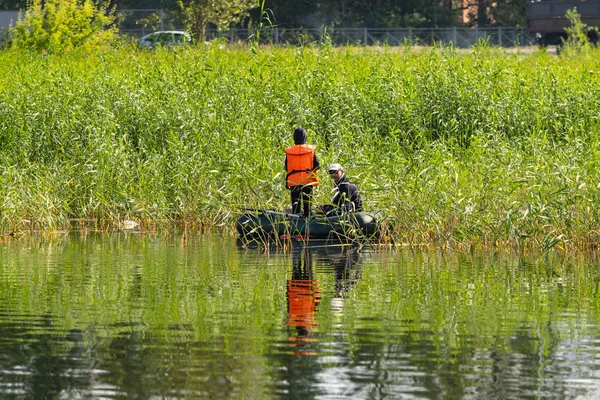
(137,316)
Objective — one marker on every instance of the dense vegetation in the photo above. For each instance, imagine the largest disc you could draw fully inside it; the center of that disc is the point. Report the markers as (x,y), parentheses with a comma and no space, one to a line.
(481,147)
(344,13)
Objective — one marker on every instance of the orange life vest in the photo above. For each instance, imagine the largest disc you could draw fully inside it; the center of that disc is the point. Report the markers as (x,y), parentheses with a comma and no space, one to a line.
(303,301)
(300,158)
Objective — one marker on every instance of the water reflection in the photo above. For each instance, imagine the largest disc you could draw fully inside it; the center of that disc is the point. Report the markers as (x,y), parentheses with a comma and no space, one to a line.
(346,265)
(321,280)
(303,298)
(303,289)
(129,317)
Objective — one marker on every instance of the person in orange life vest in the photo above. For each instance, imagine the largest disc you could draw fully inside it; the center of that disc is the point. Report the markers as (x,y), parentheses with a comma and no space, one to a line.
(301,164)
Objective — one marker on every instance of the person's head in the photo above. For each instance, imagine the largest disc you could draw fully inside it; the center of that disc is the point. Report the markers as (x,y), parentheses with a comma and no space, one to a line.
(335,171)
(300,136)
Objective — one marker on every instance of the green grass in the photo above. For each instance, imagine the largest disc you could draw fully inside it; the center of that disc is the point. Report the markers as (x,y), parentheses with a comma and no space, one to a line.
(480,148)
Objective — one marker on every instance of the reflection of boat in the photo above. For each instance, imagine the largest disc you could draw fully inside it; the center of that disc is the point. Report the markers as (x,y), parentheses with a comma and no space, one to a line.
(346,226)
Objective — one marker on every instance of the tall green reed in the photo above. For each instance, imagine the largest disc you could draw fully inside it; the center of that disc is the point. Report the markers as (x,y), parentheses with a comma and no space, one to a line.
(481,147)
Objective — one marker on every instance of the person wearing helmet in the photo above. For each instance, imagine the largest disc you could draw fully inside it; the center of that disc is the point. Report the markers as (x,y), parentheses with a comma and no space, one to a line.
(346,197)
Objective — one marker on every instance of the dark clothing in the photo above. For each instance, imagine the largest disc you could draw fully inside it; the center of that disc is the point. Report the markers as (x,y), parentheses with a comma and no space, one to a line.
(301,199)
(300,136)
(346,197)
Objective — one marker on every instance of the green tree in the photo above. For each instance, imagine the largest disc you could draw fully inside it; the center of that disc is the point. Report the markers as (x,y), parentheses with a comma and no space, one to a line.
(364,13)
(499,13)
(577,34)
(58,26)
(509,13)
(12,4)
(197,14)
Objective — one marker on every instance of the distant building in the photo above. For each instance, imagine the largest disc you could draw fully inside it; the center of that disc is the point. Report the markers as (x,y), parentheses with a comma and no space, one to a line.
(546,18)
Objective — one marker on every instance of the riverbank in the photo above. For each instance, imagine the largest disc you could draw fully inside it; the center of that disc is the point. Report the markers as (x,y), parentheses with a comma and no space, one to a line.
(485,148)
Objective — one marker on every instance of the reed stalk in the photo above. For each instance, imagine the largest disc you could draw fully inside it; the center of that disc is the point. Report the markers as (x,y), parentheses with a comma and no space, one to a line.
(483,148)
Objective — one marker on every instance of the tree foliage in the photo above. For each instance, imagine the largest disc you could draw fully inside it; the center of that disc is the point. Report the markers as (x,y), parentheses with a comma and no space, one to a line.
(577,34)
(58,26)
(365,13)
(498,13)
(508,13)
(12,4)
(197,14)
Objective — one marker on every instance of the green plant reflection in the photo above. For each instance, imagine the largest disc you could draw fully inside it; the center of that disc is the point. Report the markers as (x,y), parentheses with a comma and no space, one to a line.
(134,316)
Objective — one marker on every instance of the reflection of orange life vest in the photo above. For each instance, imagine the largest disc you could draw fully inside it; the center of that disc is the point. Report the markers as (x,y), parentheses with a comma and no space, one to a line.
(300,159)
(303,299)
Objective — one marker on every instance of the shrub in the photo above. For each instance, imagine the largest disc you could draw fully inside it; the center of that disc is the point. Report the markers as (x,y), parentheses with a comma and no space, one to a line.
(577,34)
(58,26)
